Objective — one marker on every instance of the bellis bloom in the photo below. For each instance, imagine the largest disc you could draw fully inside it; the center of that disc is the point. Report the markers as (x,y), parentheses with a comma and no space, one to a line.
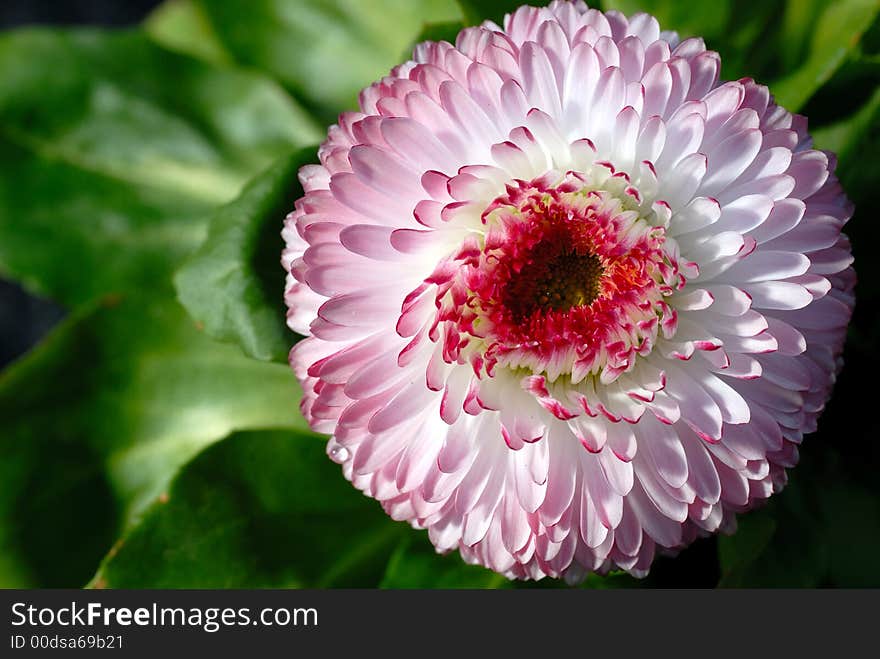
(570,299)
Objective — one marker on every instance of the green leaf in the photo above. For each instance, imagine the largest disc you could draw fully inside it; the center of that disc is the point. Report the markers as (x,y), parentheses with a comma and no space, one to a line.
(798,22)
(845,137)
(447,31)
(233,284)
(477,11)
(260,509)
(72,234)
(690,19)
(98,418)
(182,26)
(836,34)
(112,150)
(749,42)
(324,51)
(416,564)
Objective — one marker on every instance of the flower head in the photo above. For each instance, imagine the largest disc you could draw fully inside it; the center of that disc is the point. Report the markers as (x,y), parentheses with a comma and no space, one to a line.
(569,299)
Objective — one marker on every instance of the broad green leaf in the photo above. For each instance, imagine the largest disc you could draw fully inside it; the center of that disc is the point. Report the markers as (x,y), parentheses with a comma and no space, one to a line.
(324,51)
(234,284)
(836,33)
(112,150)
(73,234)
(98,418)
(477,11)
(416,564)
(259,509)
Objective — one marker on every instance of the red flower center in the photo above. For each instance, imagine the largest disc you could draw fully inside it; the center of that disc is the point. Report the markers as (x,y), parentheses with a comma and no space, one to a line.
(556,278)
(564,280)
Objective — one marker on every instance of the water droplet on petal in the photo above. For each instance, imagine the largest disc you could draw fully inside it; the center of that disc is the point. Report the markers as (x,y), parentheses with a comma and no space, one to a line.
(337,452)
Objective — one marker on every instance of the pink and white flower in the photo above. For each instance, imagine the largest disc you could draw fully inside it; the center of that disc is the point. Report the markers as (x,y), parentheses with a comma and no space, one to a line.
(570,299)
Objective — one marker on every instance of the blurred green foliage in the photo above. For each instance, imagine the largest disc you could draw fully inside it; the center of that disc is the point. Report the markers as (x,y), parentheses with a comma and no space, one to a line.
(139,448)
